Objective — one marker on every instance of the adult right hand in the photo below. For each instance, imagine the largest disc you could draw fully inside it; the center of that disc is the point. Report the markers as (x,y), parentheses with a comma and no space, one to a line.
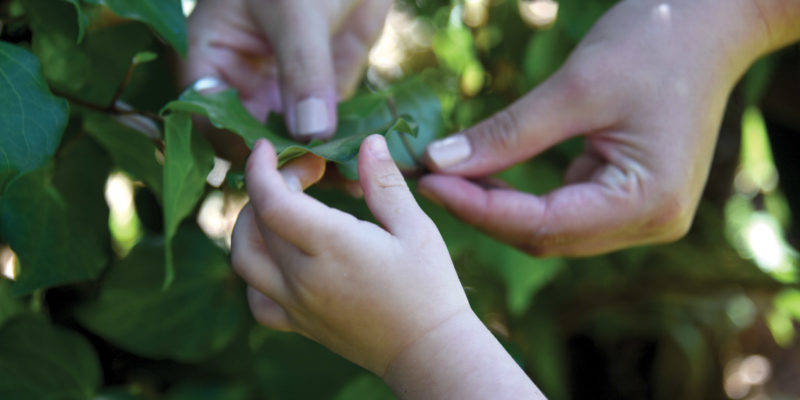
(647,88)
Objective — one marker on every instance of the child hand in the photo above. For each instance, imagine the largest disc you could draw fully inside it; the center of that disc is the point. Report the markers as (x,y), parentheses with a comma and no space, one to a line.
(365,291)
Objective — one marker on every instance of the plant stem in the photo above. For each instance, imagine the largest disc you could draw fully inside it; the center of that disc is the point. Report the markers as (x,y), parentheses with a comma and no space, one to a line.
(403,136)
(112,109)
(121,87)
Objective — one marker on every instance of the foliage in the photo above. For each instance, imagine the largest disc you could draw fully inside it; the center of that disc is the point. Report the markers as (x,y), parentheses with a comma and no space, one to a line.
(86,92)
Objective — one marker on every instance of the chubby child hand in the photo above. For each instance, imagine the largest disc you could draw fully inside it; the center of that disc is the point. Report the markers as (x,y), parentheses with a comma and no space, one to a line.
(365,291)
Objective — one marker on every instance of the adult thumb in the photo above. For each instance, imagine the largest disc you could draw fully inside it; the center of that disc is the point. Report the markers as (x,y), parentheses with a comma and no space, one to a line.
(530,125)
(299,32)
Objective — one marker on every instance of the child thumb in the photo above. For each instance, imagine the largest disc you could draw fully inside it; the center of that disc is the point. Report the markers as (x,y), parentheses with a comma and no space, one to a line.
(385,190)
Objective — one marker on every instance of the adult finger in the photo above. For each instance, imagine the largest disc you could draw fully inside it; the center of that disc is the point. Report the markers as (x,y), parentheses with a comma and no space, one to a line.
(294,216)
(571,220)
(351,45)
(564,106)
(300,33)
(267,312)
(386,192)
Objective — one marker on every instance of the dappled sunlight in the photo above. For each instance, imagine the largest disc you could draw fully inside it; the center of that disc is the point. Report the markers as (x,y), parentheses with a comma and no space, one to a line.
(757,172)
(123,222)
(476,13)
(539,13)
(218,214)
(756,215)
(764,242)
(187,6)
(9,263)
(217,175)
(744,376)
(402,36)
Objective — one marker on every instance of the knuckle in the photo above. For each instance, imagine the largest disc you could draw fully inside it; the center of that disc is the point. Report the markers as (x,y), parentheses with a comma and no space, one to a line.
(390,179)
(502,131)
(270,210)
(579,82)
(671,219)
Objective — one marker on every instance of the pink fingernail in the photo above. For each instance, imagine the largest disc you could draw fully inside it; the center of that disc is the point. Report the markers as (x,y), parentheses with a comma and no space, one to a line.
(311,117)
(450,151)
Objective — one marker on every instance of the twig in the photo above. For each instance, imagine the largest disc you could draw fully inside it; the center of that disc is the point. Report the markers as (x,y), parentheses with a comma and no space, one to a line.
(113,109)
(11,20)
(121,87)
(143,113)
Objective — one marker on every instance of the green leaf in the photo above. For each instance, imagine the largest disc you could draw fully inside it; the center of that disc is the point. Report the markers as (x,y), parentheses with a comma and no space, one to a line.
(56,219)
(144,57)
(42,361)
(346,148)
(9,305)
(83,19)
(780,320)
(52,16)
(286,363)
(197,316)
(225,111)
(131,150)
(32,120)
(415,98)
(164,16)
(120,394)
(187,161)
(366,386)
(92,70)
(208,392)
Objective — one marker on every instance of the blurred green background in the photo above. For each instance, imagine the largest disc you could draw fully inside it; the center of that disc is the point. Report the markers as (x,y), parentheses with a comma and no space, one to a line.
(713,316)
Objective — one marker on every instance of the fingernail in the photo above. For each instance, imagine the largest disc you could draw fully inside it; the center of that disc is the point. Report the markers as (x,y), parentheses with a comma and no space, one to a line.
(259,143)
(293,183)
(377,147)
(311,117)
(448,152)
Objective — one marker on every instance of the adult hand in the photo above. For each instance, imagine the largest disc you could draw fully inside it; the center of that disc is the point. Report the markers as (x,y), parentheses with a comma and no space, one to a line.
(294,56)
(647,88)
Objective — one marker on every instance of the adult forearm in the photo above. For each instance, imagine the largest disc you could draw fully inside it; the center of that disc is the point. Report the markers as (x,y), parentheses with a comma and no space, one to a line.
(461,360)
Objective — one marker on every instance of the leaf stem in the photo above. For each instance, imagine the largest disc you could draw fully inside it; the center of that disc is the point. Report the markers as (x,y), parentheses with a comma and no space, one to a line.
(122,86)
(403,136)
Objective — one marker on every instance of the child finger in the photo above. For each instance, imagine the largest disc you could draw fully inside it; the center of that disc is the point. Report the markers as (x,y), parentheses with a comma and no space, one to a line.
(267,312)
(386,191)
(251,260)
(303,171)
(299,219)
